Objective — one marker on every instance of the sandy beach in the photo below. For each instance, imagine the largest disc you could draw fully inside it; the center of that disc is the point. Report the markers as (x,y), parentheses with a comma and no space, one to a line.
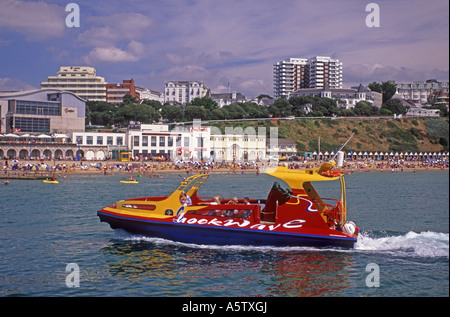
(19,169)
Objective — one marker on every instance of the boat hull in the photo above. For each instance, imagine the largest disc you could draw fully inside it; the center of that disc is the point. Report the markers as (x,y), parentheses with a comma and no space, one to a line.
(201,234)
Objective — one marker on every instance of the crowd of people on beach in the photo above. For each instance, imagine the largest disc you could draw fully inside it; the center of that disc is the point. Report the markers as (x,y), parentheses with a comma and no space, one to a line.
(192,167)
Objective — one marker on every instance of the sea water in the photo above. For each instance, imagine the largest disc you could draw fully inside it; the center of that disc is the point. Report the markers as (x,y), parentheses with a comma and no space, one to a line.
(51,238)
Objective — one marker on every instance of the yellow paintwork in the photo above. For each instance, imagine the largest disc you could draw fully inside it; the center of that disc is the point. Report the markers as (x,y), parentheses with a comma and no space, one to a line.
(296,178)
(190,185)
(50,182)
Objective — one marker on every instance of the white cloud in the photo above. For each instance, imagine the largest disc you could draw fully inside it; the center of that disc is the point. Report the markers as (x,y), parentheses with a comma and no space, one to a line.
(105,30)
(14,84)
(36,20)
(133,53)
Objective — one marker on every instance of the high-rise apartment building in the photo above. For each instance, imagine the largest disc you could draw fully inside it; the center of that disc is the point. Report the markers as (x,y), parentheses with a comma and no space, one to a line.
(299,73)
(325,70)
(289,75)
(183,92)
(80,80)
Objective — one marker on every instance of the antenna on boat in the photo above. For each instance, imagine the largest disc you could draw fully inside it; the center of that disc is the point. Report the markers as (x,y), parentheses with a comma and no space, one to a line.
(341,147)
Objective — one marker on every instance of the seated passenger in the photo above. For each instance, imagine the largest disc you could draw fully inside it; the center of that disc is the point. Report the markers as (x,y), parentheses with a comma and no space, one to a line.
(233,201)
(185,199)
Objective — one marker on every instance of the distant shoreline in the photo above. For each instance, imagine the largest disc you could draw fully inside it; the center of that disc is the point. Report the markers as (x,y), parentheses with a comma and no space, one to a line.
(155,169)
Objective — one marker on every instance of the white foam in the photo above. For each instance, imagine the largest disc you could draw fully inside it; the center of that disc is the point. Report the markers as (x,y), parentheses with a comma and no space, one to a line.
(424,244)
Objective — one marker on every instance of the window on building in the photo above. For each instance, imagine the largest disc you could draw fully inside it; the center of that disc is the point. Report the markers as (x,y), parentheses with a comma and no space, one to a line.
(89,139)
(162,141)
(99,140)
(144,140)
(109,140)
(136,140)
(153,141)
(40,125)
(119,140)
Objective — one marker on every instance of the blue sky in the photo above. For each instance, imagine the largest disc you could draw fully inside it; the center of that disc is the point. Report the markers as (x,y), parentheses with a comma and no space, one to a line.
(221,41)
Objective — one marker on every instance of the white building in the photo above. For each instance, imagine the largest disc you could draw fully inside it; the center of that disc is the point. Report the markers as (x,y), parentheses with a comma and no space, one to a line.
(282,148)
(226,99)
(80,80)
(147,94)
(183,92)
(238,145)
(197,142)
(421,91)
(350,97)
(289,75)
(325,70)
(299,73)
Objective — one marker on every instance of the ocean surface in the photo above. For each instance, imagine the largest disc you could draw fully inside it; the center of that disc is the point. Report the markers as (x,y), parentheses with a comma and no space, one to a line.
(51,232)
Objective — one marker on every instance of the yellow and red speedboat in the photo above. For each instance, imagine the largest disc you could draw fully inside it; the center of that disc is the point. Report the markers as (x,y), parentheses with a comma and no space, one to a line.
(294,216)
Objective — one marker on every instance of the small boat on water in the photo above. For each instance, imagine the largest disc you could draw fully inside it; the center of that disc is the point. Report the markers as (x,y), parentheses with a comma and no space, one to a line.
(293,216)
(49,181)
(130,182)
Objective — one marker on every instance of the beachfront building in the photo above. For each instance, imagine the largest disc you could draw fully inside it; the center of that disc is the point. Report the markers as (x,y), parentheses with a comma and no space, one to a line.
(183,92)
(193,143)
(282,148)
(238,145)
(42,111)
(80,80)
(99,145)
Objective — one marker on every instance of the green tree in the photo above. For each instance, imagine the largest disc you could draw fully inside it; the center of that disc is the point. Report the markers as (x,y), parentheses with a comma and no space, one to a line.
(387,88)
(172,113)
(280,108)
(395,106)
(195,112)
(363,108)
(205,102)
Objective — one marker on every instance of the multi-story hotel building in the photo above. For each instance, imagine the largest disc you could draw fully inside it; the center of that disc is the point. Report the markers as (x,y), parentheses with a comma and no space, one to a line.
(419,91)
(300,73)
(116,92)
(81,80)
(183,92)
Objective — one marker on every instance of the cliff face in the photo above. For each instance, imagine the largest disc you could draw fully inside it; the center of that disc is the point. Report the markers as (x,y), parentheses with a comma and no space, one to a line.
(371,134)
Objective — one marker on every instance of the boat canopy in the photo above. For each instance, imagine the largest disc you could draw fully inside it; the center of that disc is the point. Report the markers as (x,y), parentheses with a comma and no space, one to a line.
(296,178)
